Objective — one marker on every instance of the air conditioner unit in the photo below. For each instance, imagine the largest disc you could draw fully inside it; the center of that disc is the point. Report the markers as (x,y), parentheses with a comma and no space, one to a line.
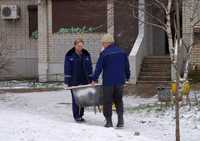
(9,12)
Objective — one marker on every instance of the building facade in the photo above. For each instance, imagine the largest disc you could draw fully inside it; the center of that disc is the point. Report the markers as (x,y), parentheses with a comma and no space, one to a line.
(191,29)
(15,34)
(46,30)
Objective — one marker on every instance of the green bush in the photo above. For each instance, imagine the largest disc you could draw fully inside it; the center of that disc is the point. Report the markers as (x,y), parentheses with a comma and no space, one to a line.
(35,35)
(77,30)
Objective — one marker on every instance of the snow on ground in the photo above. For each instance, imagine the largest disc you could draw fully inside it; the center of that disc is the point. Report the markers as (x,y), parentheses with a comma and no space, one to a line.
(47,116)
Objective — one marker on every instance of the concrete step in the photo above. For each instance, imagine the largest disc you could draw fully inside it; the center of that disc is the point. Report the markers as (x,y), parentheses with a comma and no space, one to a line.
(154,82)
(148,69)
(150,61)
(154,78)
(158,73)
(158,61)
(152,69)
(157,57)
(156,65)
(155,69)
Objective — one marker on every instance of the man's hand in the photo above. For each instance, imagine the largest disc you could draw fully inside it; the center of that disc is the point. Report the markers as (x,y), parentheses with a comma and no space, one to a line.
(127,82)
(65,86)
(93,83)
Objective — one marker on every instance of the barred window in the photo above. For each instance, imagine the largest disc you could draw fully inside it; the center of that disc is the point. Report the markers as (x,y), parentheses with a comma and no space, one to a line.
(33,19)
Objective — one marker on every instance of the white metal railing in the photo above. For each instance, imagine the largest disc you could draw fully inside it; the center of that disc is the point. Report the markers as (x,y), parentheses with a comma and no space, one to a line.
(138,51)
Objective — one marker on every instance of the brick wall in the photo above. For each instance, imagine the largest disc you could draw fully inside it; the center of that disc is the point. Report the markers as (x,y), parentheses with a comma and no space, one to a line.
(196,49)
(189,11)
(24,58)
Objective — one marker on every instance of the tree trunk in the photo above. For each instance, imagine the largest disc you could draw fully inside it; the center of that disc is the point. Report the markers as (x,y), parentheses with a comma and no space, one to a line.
(169,31)
(178,32)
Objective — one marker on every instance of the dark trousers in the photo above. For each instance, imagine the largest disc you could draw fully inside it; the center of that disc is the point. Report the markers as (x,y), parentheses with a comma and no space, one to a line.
(112,94)
(78,112)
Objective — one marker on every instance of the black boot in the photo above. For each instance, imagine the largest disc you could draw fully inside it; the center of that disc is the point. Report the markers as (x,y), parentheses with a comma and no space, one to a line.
(108,122)
(120,122)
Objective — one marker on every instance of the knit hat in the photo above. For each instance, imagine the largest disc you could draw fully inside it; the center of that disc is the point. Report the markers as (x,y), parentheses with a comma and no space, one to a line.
(107,38)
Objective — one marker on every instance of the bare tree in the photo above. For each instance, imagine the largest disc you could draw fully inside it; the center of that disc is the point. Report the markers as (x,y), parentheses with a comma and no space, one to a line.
(171,25)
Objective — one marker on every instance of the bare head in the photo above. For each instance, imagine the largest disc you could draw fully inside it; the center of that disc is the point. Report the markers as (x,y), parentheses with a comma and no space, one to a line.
(107,40)
(78,44)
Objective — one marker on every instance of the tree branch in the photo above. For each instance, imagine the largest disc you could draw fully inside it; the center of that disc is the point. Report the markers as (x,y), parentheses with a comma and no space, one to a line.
(152,24)
(162,5)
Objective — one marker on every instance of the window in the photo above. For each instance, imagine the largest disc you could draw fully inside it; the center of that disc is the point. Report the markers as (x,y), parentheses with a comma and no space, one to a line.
(197,37)
(33,20)
(79,13)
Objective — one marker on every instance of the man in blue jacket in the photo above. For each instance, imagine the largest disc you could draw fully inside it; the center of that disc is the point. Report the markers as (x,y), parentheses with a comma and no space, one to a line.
(78,71)
(114,64)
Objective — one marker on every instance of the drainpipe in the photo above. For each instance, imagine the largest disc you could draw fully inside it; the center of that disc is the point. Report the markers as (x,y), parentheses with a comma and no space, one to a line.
(43,40)
(47,36)
(110,17)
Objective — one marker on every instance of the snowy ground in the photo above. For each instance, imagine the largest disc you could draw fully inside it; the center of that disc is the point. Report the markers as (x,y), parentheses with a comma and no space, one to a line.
(47,116)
